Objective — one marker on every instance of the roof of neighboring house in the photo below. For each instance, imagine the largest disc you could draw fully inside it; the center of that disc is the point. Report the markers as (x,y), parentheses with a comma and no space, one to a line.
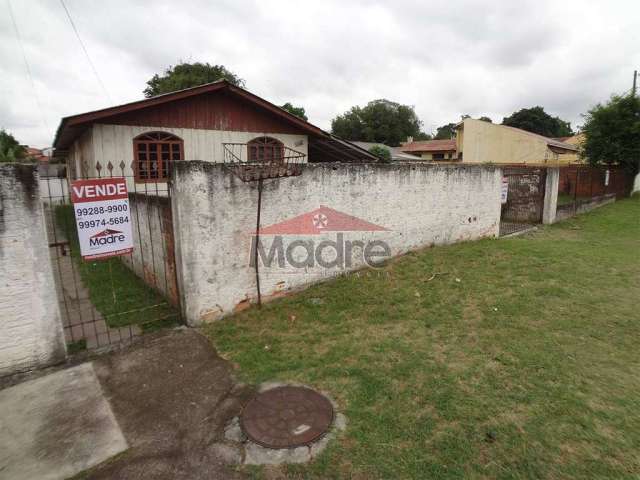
(553,143)
(37,154)
(73,126)
(430,146)
(572,140)
(396,152)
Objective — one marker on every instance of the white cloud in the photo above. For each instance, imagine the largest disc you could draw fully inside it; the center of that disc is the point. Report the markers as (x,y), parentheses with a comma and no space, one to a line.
(445,58)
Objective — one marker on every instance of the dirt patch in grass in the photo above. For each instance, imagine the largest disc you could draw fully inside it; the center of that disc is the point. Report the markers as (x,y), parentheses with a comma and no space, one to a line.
(519,361)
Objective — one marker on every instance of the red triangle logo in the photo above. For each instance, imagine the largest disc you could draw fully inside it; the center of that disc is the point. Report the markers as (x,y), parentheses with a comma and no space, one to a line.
(105,233)
(320,220)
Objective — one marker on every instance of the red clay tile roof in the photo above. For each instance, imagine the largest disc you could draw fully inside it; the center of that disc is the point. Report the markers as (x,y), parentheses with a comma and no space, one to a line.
(430,146)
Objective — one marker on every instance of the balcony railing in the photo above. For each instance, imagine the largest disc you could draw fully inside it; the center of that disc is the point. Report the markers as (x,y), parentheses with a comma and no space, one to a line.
(277,162)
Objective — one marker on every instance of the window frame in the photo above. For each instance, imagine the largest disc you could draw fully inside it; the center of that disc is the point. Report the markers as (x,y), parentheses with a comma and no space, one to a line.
(265,140)
(147,138)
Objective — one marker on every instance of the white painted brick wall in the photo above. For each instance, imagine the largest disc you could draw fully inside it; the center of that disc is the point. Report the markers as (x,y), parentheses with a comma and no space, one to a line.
(215,213)
(31,333)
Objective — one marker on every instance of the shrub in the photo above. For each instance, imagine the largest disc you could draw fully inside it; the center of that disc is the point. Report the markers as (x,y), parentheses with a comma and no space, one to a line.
(383,153)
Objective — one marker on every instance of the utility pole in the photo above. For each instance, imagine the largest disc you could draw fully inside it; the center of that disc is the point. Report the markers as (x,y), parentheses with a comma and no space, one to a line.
(633,90)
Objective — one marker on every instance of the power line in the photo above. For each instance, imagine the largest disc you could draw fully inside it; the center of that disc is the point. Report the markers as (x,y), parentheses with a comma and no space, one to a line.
(95,71)
(26,64)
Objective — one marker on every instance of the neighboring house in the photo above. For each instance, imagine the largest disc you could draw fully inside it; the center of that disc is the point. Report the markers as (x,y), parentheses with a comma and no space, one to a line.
(396,152)
(37,154)
(437,150)
(484,142)
(209,122)
(575,140)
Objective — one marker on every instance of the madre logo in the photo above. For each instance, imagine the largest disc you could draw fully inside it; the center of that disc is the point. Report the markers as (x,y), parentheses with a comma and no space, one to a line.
(306,252)
(106,237)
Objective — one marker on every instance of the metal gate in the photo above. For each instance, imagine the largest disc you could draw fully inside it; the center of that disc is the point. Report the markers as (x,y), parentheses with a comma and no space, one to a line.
(112,301)
(525,199)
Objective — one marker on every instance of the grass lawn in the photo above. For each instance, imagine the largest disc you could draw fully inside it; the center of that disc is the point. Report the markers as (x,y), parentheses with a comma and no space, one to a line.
(117,293)
(565,199)
(520,360)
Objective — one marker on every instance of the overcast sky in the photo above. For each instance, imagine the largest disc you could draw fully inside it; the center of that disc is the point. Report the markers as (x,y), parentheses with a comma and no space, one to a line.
(444,58)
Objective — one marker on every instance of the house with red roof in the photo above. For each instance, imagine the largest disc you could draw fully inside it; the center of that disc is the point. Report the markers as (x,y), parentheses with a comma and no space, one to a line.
(215,122)
(436,150)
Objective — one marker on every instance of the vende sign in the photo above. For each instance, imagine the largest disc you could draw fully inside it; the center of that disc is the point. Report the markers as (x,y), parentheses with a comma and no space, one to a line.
(101,208)
(99,189)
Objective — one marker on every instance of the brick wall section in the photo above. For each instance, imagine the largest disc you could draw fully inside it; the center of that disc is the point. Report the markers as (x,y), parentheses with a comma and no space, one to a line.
(31,333)
(215,214)
(525,198)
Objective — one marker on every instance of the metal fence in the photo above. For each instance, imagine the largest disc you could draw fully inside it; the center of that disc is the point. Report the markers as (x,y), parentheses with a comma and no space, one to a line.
(581,185)
(114,300)
(262,161)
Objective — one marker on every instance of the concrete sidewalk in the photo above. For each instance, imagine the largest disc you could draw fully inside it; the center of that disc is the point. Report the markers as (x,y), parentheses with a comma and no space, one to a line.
(56,426)
(169,395)
(172,395)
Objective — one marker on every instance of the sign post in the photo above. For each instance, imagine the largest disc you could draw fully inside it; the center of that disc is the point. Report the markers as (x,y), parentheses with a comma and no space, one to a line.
(504,190)
(101,208)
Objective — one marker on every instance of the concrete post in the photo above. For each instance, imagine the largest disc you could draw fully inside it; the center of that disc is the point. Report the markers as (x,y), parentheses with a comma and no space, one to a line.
(31,334)
(551,195)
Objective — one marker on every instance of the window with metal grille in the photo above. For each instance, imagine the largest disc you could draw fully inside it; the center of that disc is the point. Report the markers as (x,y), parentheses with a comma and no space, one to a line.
(265,150)
(154,152)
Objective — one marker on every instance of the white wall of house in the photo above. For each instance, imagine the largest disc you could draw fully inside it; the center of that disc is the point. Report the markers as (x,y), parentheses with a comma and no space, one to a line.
(215,214)
(80,156)
(114,143)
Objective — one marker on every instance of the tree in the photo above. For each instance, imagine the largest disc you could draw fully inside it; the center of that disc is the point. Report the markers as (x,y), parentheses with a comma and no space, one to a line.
(10,149)
(445,132)
(380,121)
(297,111)
(612,133)
(422,136)
(186,75)
(383,153)
(536,120)
(486,119)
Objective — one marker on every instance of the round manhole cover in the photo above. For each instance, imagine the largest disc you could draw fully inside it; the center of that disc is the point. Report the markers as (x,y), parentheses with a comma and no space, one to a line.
(286,417)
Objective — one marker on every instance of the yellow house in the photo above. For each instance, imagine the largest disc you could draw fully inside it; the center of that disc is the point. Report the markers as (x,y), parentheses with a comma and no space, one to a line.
(575,140)
(484,142)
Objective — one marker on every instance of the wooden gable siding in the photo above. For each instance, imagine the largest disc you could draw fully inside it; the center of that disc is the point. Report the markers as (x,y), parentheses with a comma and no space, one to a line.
(213,111)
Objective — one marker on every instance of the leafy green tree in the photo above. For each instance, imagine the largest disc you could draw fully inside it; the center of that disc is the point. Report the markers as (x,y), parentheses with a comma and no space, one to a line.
(380,121)
(422,136)
(297,111)
(486,119)
(445,132)
(536,120)
(186,75)
(10,149)
(383,153)
(612,133)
